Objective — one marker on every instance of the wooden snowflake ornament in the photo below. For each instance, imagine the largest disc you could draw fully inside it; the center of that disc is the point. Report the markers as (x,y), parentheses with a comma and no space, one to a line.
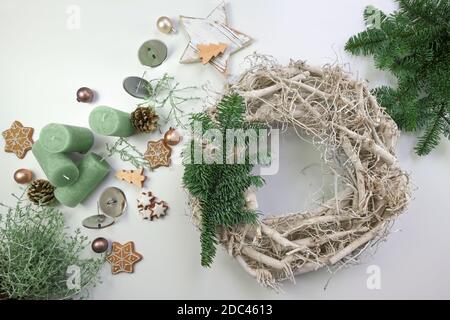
(212,29)
(135,177)
(18,139)
(158,154)
(123,257)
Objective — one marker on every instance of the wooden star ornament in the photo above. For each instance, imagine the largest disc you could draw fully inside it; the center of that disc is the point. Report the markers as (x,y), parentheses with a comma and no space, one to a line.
(123,257)
(212,30)
(18,139)
(158,154)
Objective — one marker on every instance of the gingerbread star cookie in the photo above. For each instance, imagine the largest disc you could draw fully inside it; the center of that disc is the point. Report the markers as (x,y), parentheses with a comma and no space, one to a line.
(19,139)
(158,209)
(158,154)
(123,257)
(150,207)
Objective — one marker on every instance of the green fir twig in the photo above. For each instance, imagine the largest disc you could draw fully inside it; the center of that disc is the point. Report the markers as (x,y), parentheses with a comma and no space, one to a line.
(413,44)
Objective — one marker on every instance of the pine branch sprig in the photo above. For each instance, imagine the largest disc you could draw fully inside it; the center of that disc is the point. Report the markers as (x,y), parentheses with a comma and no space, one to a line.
(413,44)
(220,187)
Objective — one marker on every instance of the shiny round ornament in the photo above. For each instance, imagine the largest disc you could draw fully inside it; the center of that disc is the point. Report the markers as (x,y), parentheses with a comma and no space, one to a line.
(165,25)
(23,176)
(85,95)
(172,137)
(100,245)
(152,53)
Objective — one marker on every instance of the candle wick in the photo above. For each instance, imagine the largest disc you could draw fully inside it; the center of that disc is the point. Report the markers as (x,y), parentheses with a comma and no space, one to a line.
(66,177)
(103,117)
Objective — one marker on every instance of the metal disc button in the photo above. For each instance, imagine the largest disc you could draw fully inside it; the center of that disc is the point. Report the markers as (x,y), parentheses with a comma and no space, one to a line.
(113,202)
(137,87)
(98,221)
(152,53)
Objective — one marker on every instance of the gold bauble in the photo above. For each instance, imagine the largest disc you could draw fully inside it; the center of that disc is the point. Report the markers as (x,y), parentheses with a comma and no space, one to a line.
(172,137)
(23,176)
(164,24)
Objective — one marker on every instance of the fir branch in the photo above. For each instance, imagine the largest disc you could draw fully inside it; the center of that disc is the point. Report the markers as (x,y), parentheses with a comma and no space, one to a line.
(432,134)
(220,187)
(413,43)
(366,42)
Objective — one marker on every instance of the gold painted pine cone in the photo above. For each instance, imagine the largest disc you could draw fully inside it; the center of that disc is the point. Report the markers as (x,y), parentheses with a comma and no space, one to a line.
(41,192)
(145,119)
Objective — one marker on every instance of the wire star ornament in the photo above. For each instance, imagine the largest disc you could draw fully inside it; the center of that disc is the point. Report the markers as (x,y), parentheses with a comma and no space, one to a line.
(123,257)
(212,30)
(18,139)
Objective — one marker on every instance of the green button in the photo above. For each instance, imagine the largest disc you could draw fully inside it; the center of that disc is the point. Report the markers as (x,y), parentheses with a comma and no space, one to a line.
(152,53)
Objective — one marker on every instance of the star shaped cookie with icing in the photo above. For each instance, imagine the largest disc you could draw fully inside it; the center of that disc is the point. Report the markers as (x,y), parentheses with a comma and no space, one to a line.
(158,154)
(18,139)
(212,30)
(123,257)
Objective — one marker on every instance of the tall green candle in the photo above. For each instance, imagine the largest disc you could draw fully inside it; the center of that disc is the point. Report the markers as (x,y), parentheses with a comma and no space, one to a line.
(58,167)
(111,122)
(56,138)
(93,169)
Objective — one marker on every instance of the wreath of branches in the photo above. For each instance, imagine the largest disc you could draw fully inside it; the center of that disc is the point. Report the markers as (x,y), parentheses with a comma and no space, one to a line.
(357,140)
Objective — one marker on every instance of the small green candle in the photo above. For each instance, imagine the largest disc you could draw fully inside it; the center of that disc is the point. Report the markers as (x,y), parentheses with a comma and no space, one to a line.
(93,169)
(58,167)
(111,122)
(57,138)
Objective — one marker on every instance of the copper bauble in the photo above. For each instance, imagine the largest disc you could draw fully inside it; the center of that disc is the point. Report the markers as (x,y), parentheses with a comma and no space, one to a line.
(85,95)
(100,245)
(23,176)
(172,137)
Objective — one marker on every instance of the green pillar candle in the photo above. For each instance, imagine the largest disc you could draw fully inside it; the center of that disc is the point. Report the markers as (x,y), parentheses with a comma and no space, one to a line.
(57,138)
(58,167)
(93,169)
(111,122)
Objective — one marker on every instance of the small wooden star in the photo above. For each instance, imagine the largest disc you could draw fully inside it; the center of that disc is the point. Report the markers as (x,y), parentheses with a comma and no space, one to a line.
(158,154)
(123,257)
(19,139)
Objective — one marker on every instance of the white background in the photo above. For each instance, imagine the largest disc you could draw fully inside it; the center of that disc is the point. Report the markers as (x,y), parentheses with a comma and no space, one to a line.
(43,63)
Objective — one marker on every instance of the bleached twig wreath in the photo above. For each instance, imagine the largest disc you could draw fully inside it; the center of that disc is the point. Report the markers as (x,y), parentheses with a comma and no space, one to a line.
(357,140)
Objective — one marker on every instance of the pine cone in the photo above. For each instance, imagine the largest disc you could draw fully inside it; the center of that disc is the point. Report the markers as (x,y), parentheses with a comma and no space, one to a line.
(145,119)
(41,192)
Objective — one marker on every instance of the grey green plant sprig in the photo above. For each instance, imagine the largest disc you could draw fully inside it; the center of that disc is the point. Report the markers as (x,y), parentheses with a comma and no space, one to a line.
(163,93)
(166,92)
(36,252)
(128,153)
